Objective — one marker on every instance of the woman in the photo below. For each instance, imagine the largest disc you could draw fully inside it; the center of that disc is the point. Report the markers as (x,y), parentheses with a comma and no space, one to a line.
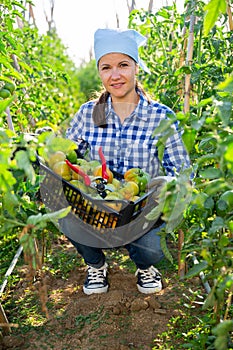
(122,121)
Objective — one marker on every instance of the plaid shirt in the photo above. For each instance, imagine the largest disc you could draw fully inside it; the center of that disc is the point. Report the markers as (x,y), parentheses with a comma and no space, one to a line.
(130,144)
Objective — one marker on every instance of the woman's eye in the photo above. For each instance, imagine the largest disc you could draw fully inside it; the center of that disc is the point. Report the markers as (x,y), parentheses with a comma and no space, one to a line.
(123,65)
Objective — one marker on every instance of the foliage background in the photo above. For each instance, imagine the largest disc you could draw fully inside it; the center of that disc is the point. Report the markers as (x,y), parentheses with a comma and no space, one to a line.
(49,89)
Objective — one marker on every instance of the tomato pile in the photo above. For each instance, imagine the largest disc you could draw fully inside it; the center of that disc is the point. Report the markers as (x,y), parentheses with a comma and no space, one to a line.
(6,89)
(131,187)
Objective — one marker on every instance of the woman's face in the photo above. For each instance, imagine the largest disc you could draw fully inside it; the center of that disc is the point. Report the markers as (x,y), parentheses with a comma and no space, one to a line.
(118,74)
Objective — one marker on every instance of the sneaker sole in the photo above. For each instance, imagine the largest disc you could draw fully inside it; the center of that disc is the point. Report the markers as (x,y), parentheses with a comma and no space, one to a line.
(149,290)
(89,291)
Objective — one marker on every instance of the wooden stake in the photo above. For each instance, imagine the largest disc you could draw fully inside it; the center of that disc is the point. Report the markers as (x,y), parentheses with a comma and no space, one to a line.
(229,15)
(9,119)
(189,57)
(6,329)
(181,262)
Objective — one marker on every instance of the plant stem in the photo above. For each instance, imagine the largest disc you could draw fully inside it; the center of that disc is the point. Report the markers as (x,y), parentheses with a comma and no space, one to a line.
(229,302)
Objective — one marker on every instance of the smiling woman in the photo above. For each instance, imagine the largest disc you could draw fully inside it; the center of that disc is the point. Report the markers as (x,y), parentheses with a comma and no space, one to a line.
(122,121)
(118,78)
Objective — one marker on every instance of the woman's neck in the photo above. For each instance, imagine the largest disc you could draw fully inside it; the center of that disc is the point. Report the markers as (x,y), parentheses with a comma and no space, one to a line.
(124,108)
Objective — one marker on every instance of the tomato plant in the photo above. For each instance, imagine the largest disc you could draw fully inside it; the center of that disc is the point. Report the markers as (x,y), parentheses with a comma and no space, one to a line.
(40,86)
(199,211)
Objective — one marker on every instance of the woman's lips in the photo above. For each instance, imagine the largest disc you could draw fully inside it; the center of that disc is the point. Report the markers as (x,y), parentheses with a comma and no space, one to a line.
(117,86)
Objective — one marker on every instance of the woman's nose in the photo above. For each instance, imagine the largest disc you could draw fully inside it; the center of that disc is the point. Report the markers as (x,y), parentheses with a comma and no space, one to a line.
(115,73)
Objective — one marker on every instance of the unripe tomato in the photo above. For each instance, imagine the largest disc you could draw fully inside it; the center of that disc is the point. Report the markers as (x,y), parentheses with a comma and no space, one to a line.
(10,87)
(72,156)
(56,157)
(98,172)
(139,176)
(4,93)
(132,187)
(62,169)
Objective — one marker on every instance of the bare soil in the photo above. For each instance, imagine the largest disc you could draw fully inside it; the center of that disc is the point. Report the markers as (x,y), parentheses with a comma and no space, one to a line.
(121,319)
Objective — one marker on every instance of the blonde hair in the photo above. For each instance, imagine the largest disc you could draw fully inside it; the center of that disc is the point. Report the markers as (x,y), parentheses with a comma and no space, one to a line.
(98,114)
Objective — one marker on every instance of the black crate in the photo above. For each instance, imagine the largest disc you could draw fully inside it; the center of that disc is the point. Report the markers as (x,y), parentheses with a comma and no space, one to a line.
(57,193)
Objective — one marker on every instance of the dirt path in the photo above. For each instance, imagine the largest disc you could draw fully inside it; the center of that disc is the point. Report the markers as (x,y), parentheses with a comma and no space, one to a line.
(121,319)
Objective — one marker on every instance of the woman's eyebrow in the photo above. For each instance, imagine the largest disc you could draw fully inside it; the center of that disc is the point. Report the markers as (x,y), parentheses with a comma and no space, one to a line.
(109,64)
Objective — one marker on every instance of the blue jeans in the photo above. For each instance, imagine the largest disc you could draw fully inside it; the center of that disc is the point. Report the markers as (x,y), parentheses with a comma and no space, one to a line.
(144,252)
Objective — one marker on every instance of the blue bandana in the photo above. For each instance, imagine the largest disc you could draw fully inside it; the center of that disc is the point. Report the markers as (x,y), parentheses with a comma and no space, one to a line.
(122,41)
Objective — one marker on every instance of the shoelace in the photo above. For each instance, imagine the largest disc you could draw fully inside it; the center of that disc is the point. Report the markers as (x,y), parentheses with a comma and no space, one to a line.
(149,275)
(96,275)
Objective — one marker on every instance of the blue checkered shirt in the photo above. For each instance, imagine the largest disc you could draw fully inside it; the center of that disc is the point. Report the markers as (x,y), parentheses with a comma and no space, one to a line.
(130,144)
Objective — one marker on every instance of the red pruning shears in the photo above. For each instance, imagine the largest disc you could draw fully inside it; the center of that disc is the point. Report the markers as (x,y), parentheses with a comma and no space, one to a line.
(99,183)
(103,162)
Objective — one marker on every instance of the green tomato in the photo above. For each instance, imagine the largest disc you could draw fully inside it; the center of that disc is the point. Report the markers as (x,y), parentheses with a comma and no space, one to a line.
(4,93)
(80,185)
(10,87)
(72,157)
(139,176)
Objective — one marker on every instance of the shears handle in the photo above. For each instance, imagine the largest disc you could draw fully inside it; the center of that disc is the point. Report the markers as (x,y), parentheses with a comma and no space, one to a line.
(104,166)
(77,170)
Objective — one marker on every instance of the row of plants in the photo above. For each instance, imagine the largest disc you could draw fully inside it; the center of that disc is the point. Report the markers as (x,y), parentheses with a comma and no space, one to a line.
(44,93)
(207,126)
(47,89)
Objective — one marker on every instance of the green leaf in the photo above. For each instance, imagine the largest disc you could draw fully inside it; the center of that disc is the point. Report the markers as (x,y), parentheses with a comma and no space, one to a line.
(43,219)
(214,8)
(221,343)
(163,13)
(155,213)
(211,298)
(209,203)
(227,85)
(5,103)
(166,132)
(57,215)
(26,66)
(228,155)
(164,247)
(24,163)
(2,47)
(10,201)
(225,109)
(196,269)
(7,180)
(163,127)
(205,102)
(211,173)
(54,143)
(189,137)
(217,224)
(183,199)
(16,3)
(223,328)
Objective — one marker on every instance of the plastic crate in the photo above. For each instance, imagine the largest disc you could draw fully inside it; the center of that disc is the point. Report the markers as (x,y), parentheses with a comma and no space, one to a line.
(58,193)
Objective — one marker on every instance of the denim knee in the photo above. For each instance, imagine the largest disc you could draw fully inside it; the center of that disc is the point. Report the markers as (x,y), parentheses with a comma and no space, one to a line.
(146,250)
(91,255)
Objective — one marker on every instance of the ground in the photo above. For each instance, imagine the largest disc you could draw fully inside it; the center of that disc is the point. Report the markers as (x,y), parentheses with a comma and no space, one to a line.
(121,319)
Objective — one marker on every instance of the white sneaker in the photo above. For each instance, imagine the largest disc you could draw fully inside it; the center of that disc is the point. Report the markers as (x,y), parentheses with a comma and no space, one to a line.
(96,280)
(149,280)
